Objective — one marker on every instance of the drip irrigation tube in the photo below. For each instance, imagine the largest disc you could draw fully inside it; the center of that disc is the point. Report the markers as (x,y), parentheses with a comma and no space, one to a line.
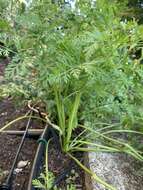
(38,158)
(35,172)
(37,164)
(7,184)
(45,134)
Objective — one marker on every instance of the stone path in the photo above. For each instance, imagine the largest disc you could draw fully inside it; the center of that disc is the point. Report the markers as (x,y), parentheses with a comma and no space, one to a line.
(120,170)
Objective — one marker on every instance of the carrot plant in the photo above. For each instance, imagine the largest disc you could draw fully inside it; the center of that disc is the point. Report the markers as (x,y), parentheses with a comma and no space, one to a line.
(80,62)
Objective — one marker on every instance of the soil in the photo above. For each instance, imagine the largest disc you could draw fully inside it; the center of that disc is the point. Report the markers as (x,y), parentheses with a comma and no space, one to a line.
(9,145)
(3,64)
(58,162)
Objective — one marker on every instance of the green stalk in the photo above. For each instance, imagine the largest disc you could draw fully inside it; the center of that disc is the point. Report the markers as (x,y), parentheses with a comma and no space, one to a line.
(107,127)
(18,119)
(102,135)
(12,122)
(75,140)
(77,149)
(123,131)
(46,162)
(130,150)
(60,110)
(94,176)
(134,152)
(97,145)
(71,123)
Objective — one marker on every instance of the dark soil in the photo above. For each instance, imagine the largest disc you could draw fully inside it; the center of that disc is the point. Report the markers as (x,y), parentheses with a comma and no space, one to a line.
(58,162)
(9,145)
(3,64)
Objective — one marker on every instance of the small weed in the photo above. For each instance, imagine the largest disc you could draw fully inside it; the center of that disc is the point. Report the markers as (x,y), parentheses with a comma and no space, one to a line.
(46,180)
(45,183)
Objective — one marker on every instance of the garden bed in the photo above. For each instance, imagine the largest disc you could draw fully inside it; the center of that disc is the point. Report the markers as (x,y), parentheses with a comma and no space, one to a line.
(9,145)
(81,64)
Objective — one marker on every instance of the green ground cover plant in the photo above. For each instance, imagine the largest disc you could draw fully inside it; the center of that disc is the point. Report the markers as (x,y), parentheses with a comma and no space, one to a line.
(80,62)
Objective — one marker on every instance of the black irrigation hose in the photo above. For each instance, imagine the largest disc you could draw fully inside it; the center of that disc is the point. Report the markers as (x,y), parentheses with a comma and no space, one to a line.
(35,172)
(7,184)
(38,158)
(56,139)
(48,132)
